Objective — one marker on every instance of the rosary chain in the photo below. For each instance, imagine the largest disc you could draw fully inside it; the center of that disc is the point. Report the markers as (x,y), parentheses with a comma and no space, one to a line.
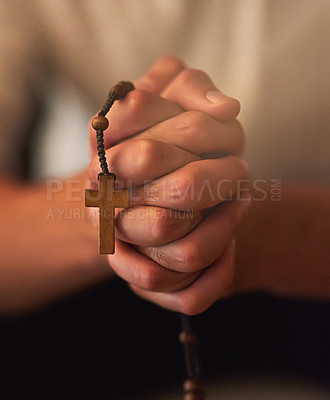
(192,386)
(100,123)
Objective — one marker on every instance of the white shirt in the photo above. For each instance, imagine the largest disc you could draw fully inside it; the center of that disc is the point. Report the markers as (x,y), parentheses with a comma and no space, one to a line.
(273,55)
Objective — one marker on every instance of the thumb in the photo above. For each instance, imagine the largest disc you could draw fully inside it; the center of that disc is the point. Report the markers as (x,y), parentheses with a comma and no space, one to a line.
(160,74)
(193,90)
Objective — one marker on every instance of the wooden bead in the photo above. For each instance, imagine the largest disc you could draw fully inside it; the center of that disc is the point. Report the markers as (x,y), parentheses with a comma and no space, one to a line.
(100,123)
(122,88)
(193,396)
(191,385)
(188,337)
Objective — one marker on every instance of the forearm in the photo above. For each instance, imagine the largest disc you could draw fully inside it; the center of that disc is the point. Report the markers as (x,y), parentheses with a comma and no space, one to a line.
(48,246)
(283,246)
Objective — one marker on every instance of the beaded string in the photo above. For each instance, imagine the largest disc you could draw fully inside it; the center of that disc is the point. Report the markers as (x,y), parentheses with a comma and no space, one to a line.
(100,123)
(192,386)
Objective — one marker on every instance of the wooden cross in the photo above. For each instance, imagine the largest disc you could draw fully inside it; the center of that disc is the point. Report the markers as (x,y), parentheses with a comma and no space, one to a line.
(106,199)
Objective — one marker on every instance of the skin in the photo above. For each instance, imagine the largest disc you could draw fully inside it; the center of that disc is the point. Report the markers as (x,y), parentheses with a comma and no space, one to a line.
(44,256)
(47,255)
(188,274)
(167,131)
(283,246)
(164,122)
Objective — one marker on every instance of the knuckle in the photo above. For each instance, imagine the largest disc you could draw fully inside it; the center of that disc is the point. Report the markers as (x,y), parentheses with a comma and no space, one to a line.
(147,153)
(137,103)
(148,279)
(159,257)
(190,304)
(239,166)
(172,63)
(189,74)
(182,191)
(188,257)
(162,227)
(191,124)
(239,178)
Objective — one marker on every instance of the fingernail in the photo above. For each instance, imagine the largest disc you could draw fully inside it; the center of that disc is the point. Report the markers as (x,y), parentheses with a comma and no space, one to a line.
(215,97)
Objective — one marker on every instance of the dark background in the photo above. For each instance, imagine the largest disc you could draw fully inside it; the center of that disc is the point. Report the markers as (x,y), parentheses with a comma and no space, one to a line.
(106,343)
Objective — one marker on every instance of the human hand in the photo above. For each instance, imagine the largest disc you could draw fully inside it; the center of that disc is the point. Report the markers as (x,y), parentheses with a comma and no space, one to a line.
(165,137)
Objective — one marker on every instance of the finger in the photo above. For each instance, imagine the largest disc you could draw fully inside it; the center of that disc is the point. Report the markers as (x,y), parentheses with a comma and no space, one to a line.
(136,112)
(144,273)
(205,243)
(137,105)
(198,185)
(154,226)
(194,90)
(160,74)
(138,161)
(199,133)
(213,283)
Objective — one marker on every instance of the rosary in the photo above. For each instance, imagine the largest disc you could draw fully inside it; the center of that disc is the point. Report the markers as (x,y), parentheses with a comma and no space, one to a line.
(107,199)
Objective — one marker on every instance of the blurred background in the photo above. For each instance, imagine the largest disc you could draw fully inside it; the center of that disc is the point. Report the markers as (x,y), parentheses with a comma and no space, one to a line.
(58,60)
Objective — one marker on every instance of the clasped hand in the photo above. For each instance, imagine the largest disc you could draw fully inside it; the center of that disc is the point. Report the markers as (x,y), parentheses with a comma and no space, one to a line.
(175,143)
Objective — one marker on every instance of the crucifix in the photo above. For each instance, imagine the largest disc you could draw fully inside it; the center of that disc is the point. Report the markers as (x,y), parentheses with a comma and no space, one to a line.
(106,199)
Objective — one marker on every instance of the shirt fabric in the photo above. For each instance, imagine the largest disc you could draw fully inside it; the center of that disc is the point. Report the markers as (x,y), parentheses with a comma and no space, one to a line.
(270,54)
